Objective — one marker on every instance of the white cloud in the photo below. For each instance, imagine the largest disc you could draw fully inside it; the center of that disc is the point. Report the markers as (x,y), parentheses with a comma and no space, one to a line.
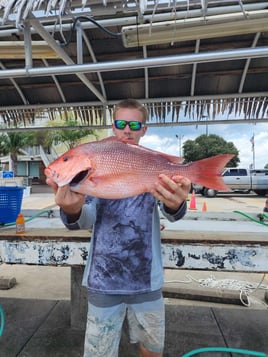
(164,139)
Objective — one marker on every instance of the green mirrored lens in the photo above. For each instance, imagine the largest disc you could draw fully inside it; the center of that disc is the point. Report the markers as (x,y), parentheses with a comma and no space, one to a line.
(120,124)
(134,125)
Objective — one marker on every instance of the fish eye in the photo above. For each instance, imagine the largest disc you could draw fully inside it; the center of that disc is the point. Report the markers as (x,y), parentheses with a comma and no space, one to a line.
(66,158)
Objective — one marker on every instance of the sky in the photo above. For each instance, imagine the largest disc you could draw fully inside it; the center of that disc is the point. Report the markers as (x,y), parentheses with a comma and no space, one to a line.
(164,139)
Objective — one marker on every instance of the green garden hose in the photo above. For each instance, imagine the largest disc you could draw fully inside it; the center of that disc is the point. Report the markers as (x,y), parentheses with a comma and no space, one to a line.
(48,211)
(252,218)
(2,316)
(224,349)
(2,320)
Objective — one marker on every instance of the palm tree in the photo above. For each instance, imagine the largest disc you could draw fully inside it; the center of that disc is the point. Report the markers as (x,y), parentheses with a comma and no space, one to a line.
(12,143)
(70,137)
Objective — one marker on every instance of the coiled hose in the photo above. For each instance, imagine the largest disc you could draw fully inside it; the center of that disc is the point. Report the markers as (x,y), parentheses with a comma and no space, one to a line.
(252,218)
(225,349)
(2,315)
(48,211)
(2,320)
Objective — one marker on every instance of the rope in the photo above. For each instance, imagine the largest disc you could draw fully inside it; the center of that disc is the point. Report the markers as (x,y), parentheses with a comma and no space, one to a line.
(246,288)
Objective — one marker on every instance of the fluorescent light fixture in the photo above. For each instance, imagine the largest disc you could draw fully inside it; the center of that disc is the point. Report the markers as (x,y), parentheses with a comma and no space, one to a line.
(16,50)
(192,29)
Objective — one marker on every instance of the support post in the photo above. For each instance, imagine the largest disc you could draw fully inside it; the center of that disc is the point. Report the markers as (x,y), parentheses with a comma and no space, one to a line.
(78,298)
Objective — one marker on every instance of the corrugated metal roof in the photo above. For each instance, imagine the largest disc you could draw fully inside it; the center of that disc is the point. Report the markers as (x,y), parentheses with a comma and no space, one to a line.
(215,69)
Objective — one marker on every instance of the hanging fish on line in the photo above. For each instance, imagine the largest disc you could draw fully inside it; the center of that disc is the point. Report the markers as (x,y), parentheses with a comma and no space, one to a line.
(114,169)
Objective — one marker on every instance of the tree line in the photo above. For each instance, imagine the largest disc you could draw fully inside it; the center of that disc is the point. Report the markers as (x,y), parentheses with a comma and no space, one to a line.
(13,144)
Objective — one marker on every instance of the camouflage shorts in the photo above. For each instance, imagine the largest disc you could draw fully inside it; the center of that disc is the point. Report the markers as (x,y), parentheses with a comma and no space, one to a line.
(146,323)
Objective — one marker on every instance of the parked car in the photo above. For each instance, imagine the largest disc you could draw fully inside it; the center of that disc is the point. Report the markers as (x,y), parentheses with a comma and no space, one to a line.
(240,180)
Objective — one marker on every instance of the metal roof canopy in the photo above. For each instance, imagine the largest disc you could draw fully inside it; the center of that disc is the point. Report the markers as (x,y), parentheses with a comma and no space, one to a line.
(210,65)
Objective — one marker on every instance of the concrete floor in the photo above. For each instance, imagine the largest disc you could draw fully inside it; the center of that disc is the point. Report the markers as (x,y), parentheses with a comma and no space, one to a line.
(37,308)
(41,328)
(53,283)
(222,203)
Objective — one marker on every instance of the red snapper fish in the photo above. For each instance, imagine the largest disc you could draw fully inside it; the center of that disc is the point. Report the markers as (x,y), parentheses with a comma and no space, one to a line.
(116,169)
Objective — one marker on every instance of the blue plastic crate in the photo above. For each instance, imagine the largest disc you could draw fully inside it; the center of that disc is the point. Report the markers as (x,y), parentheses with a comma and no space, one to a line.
(10,203)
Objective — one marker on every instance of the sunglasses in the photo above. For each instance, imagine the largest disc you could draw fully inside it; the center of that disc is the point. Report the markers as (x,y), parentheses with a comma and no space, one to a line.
(133,125)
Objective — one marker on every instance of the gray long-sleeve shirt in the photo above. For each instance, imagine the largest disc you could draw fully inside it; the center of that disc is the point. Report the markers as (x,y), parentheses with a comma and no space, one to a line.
(125,248)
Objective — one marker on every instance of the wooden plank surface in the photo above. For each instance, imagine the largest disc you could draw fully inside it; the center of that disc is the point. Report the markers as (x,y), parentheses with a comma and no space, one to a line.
(167,236)
(180,249)
(42,234)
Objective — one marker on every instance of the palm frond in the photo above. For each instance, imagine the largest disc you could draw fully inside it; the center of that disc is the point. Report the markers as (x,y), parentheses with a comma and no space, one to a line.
(22,8)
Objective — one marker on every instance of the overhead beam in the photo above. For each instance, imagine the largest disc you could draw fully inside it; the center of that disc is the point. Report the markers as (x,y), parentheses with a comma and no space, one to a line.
(241,103)
(48,106)
(56,83)
(246,67)
(197,46)
(141,79)
(149,124)
(146,74)
(15,84)
(93,57)
(64,56)
(16,50)
(128,20)
(175,60)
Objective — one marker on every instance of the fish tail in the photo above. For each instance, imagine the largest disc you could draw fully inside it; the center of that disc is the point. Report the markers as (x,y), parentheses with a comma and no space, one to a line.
(207,172)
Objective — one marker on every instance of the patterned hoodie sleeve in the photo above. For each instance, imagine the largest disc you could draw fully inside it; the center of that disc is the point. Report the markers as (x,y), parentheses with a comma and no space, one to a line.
(175,216)
(87,217)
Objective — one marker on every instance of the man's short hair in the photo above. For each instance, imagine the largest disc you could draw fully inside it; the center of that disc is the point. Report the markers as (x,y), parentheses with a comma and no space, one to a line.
(132,104)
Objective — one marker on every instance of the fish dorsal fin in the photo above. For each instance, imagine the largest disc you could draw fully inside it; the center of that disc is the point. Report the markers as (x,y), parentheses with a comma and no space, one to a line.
(120,140)
(172,158)
(111,138)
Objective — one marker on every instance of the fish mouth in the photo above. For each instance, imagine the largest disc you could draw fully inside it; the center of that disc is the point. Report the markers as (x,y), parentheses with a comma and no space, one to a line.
(82,175)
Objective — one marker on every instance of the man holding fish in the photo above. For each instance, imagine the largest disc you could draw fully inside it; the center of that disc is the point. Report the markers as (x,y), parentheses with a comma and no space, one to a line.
(124,273)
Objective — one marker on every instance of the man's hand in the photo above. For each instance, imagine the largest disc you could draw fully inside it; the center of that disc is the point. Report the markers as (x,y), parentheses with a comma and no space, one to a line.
(171,191)
(70,202)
